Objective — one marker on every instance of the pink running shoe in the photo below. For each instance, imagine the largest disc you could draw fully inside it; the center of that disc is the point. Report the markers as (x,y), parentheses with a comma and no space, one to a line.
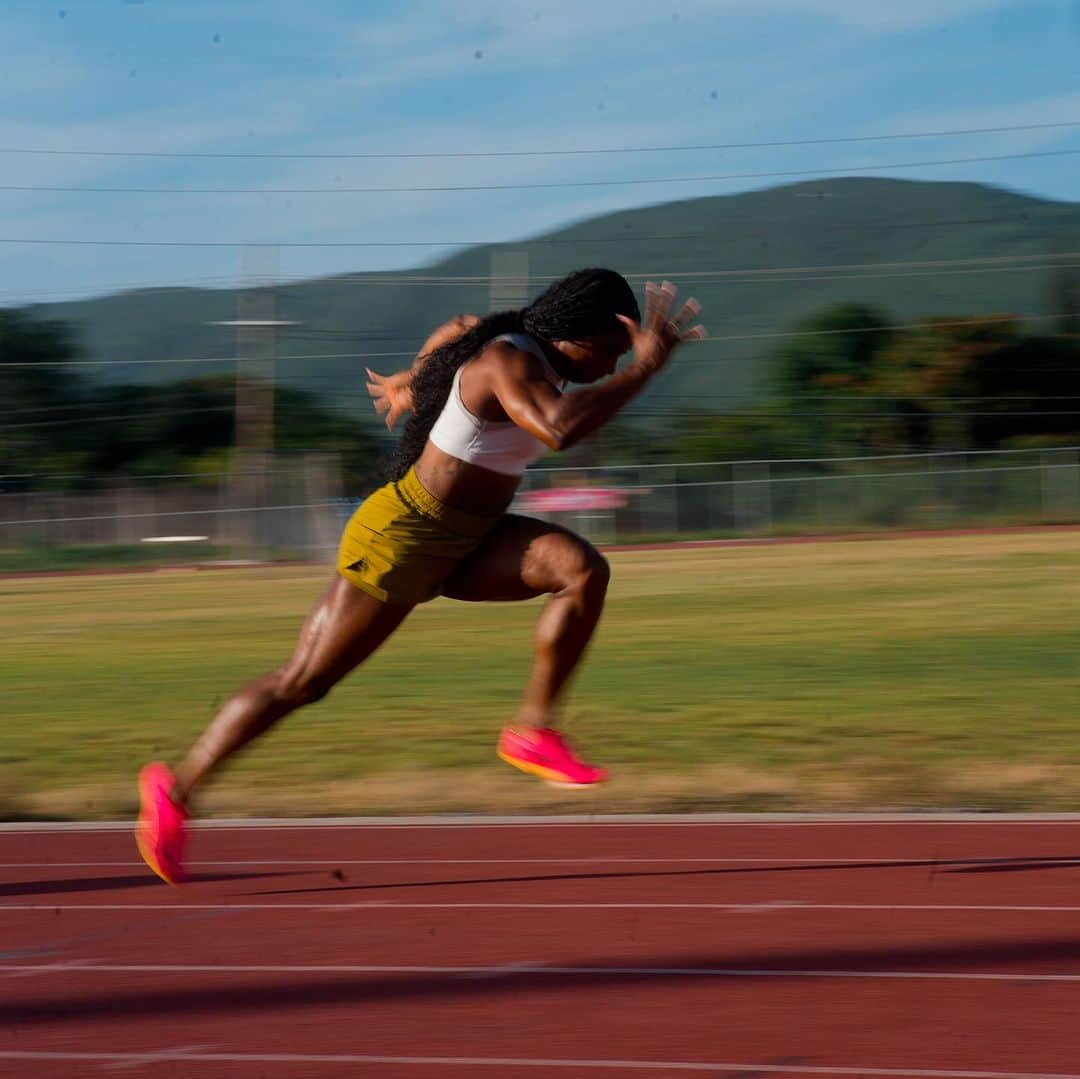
(162,829)
(544,753)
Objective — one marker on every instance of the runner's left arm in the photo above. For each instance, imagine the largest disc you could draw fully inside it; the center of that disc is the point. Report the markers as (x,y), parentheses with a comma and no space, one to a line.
(392,394)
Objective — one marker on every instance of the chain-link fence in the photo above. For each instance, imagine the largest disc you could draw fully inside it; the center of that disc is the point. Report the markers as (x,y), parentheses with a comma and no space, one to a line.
(294,509)
(784,497)
(285,508)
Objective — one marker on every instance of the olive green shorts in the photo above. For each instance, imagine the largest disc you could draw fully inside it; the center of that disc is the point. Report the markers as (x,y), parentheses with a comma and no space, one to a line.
(402,542)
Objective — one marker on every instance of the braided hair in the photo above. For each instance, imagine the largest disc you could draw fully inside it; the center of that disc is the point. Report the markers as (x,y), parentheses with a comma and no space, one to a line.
(581,305)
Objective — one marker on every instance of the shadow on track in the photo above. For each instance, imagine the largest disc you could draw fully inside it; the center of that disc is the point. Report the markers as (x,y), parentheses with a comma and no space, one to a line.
(1018,865)
(77,885)
(255,994)
(933,865)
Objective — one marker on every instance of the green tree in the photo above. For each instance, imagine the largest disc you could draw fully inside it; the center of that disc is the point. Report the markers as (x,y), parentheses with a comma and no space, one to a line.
(833,350)
(763,433)
(820,374)
(1029,390)
(188,427)
(40,395)
(303,425)
(930,385)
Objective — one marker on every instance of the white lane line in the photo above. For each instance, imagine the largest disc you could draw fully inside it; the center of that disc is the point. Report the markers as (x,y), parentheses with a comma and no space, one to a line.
(514,970)
(27,970)
(622,820)
(537,1062)
(153,1056)
(786,905)
(914,861)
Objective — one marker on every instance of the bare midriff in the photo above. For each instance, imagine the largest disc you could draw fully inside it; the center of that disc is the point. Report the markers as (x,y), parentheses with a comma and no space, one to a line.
(465,486)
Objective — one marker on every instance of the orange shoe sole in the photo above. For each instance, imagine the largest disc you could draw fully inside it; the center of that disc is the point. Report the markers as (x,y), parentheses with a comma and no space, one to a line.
(548,775)
(145,849)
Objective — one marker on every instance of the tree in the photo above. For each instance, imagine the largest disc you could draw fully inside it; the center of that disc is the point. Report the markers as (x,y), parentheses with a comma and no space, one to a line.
(40,394)
(179,426)
(834,350)
(762,433)
(929,386)
(1065,301)
(821,373)
(1029,389)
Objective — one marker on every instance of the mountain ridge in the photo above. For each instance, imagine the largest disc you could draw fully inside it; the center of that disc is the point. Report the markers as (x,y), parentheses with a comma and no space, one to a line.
(758,261)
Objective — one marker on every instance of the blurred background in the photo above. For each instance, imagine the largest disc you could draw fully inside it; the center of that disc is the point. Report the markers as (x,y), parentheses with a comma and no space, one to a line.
(215,216)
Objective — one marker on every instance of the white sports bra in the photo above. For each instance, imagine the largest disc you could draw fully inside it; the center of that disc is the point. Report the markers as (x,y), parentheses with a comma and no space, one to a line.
(500,446)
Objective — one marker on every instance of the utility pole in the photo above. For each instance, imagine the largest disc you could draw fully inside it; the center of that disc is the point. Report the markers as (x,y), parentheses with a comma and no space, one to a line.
(1066,297)
(509,279)
(256,325)
(256,347)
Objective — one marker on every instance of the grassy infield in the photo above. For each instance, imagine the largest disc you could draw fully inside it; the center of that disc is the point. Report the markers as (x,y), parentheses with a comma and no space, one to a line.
(895,673)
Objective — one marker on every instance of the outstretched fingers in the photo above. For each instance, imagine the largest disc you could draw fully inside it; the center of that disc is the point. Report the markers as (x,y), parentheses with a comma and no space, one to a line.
(659,334)
(687,313)
(380,398)
(658,303)
(388,396)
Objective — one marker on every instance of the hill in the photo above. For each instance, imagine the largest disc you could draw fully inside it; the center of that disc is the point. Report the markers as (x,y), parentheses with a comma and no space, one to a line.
(758,261)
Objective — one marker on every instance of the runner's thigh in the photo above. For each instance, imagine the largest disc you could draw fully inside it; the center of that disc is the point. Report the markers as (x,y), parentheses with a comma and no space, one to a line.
(521,557)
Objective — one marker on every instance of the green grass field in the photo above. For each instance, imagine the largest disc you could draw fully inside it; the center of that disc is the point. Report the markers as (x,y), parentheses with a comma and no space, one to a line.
(894,673)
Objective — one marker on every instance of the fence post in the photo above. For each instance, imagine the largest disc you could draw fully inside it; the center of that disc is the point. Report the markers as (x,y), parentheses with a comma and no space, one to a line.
(753,495)
(322,484)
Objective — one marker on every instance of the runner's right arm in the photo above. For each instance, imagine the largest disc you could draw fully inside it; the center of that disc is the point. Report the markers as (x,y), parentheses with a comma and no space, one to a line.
(559,420)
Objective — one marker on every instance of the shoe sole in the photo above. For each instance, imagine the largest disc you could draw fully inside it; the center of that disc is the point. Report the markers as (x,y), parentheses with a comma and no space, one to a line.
(145,850)
(549,775)
(151,861)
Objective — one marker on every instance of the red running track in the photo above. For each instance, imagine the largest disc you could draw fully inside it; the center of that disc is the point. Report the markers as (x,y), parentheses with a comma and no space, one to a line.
(793,948)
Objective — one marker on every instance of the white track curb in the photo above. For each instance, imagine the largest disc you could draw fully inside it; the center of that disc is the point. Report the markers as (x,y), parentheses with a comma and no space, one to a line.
(597,820)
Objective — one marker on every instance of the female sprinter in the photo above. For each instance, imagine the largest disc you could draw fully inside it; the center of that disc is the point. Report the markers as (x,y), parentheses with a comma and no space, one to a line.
(487,400)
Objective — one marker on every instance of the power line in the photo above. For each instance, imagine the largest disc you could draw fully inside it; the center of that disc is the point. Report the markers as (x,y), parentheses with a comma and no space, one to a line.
(128,417)
(913,263)
(205,359)
(346,243)
(807,276)
(362,396)
(199,392)
(872,457)
(1037,216)
(926,455)
(831,415)
(645,413)
(806,272)
(204,284)
(534,186)
(811,272)
(155,514)
(382,156)
(825,398)
(713,276)
(927,323)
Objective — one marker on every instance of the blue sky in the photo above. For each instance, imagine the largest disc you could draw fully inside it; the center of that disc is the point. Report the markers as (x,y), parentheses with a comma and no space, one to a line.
(326,77)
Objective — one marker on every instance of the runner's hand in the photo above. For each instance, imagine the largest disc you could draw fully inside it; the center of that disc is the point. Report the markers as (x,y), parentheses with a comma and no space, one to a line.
(391,395)
(659,335)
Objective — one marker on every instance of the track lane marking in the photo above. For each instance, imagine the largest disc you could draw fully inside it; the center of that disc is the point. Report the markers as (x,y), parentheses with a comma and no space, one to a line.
(622,820)
(785,905)
(912,861)
(29,970)
(154,1056)
(518,970)
(532,1062)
